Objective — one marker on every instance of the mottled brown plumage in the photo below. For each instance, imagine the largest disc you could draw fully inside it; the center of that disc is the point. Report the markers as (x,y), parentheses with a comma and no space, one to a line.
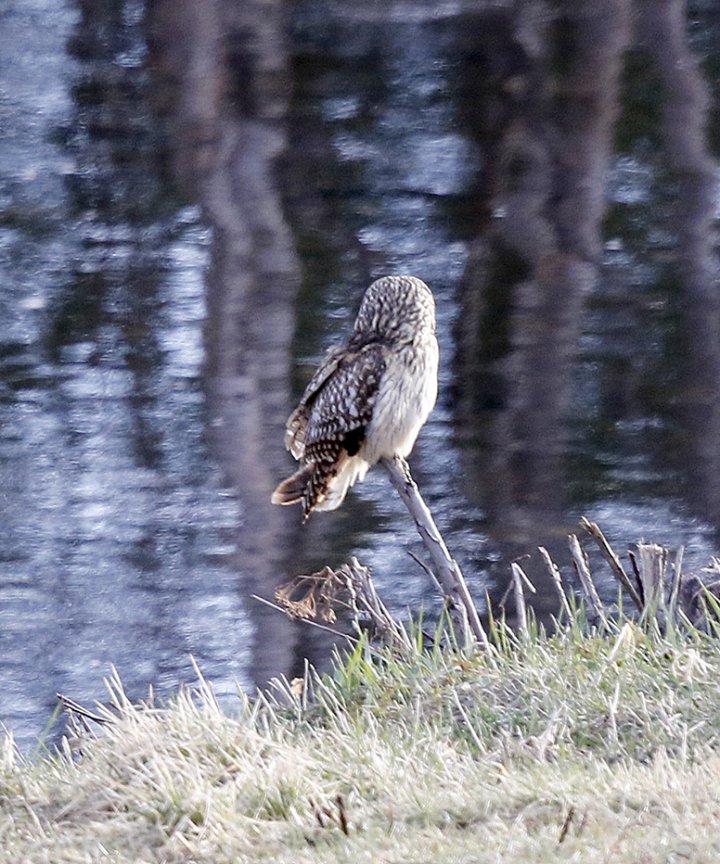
(368,399)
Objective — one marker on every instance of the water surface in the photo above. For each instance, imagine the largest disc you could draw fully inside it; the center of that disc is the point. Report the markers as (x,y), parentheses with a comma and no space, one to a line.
(183,232)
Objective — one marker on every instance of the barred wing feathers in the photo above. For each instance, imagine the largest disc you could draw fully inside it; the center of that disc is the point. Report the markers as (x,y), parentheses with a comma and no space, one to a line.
(328,427)
(298,420)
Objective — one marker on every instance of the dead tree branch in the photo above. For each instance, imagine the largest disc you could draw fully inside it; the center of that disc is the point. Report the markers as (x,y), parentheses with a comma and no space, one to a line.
(461,606)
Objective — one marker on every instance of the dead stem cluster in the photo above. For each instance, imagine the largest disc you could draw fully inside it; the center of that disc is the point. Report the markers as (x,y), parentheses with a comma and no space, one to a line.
(653,588)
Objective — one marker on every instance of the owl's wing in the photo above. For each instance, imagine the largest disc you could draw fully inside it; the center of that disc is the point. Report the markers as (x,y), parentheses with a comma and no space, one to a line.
(343,406)
(337,404)
(297,422)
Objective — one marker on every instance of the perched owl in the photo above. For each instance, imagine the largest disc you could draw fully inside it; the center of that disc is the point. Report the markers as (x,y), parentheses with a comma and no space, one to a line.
(368,399)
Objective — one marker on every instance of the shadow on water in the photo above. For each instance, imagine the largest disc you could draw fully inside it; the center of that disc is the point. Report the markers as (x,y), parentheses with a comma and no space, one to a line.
(193,197)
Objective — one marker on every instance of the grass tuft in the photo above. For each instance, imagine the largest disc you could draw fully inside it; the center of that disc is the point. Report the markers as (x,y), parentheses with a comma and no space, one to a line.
(569,745)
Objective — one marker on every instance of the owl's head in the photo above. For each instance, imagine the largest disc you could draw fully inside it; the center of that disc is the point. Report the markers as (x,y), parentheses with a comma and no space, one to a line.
(396,309)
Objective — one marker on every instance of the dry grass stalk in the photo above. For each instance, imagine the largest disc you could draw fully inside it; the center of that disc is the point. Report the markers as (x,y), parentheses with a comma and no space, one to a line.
(652,564)
(656,587)
(520,607)
(554,572)
(520,579)
(676,584)
(582,568)
(608,553)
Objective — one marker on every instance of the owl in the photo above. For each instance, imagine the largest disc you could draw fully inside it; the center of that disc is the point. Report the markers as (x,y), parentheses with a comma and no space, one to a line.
(368,399)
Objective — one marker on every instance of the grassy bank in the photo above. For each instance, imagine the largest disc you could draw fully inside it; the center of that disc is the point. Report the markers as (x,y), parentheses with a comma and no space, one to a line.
(571,747)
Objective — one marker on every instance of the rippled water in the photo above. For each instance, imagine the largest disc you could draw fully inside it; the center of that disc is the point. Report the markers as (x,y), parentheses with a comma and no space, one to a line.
(132,531)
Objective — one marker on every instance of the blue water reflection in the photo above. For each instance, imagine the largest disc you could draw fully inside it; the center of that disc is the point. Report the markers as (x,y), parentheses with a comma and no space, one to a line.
(179,244)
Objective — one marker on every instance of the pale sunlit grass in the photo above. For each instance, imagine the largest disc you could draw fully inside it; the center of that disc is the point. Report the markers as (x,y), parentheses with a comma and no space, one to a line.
(573,747)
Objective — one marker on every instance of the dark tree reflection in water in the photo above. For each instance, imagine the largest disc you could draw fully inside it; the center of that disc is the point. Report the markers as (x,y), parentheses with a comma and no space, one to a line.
(194,195)
(536,263)
(558,347)
(222,70)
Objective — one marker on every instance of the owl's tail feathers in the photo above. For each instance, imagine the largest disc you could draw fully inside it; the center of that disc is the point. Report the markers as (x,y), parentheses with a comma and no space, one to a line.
(292,490)
(308,486)
(321,485)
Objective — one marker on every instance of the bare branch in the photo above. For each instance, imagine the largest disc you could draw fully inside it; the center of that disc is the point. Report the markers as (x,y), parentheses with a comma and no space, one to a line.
(449,575)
